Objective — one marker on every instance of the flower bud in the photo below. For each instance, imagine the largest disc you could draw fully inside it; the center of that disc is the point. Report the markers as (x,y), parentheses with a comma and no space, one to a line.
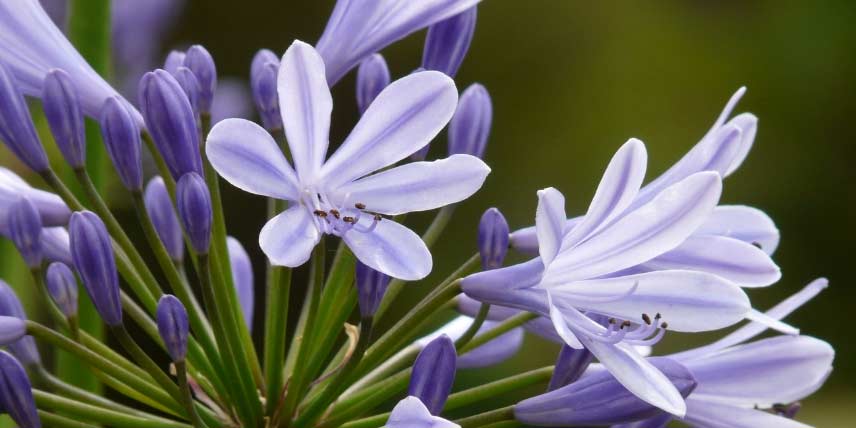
(372,78)
(51,208)
(569,366)
(262,57)
(200,62)
(55,245)
(25,230)
(242,276)
(492,239)
(173,326)
(122,140)
(171,122)
(24,348)
(469,128)
(434,374)
(16,124)
(160,210)
(174,60)
(190,85)
(371,286)
(61,104)
(598,399)
(263,82)
(12,329)
(62,286)
(16,395)
(92,254)
(194,210)
(447,42)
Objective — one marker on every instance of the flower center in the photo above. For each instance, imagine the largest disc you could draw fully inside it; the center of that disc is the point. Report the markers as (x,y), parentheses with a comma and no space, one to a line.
(334,219)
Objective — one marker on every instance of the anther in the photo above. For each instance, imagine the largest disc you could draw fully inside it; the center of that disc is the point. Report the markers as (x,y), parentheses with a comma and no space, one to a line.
(664,325)
(612,321)
(656,317)
(320,213)
(646,318)
(378,217)
(335,213)
(626,324)
(360,206)
(349,219)
(757,244)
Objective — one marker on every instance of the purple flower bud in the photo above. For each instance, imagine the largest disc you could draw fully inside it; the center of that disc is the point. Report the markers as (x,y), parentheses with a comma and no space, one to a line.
(434,374)
(263,81)
(190,85)
(16,124)
(169,118)
(62,286)
(200,62)
(173,326)
(598,399)
(371,286)
(16,395)
(12,329)
(194,210)
(160,209)
(55,245)
(25,348)
(493,239)
(447,42)
(372,77)
(242,276)
(262,57)
(122,140)
(174,60)
(65,118)
(569,366)
(52,209)
(93,259)
(25,230)
(469,128)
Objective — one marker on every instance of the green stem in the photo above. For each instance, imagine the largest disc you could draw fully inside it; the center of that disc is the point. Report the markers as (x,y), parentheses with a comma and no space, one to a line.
(276,323)
(98,414)
(41,375)
(474,327)
(187,395)
(499,415)
(51,420)
(392,365)
(146,362)
(367,399)
(497,388)
(499,330)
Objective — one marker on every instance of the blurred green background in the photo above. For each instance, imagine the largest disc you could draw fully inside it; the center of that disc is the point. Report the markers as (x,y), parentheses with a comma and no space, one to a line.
(572,80)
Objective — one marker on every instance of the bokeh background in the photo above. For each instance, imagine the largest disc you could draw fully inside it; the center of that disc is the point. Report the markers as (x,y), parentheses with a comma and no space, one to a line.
(571,81)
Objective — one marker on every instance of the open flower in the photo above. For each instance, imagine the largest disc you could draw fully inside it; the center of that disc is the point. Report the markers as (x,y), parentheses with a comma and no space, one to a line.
(411,413)
(340,195)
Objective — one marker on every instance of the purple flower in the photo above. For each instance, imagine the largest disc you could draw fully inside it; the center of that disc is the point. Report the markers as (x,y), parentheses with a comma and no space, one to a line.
(55,245)
(25,229)
(31,46)
(12,329)
(359,28)
(61,104)
(337,196)
(263,74)
(16,125)
(188,82)
(24,348)
(62,287)
(434,374)
(493,352)
(16,395)
(122,140)
(194,210)
(242,276)
(92,253)
(492,239)
(570,365)
(52,209)
(174,59)
(200,62)
(411,413)
(173,326)
(371,286)
(470,127)
(448,41)
(372,78)
(160,210)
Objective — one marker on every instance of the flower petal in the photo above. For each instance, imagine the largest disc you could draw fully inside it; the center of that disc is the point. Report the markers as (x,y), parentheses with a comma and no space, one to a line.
(411,413)
(390,248)
(403,118)
(509,286)
(747,224)
(617,189)
(732,259)
(748,124)
(550,223)
(288,238)
(418,186)
(305,103)
(706,414)
(248,157)
(645,233)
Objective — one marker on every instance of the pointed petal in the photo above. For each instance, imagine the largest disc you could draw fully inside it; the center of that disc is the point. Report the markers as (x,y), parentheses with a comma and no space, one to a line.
(706,414)
(390,248)
(748,124)
(550,223)
(509,286)
(762,318)
(729,108)
(418,186)
(747,224)
(411,413)
(403,118)
(645,233)
(306,103)
(288,238)
(561,324)
(732,259)
(617,189)
(248,157)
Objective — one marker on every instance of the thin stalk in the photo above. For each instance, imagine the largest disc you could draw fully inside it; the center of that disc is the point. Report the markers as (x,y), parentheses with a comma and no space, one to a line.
(474,327)
(146,362)
(392,365)
(181,374)
(98,414)
(499,415)
(367,399)
(499,330)
(497,388)
(44,377)
(276,323)
(56,421)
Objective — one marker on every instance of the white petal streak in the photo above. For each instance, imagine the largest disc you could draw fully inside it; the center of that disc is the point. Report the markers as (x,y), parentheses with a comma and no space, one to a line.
(390,248)
(550,223)
(288,238)
(418,186)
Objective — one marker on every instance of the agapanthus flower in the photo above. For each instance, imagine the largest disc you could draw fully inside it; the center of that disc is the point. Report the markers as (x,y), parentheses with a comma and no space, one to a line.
(16,395)
(52,209)
(24,348)
(340,195)
(493,352)
(359,28)
(411,413)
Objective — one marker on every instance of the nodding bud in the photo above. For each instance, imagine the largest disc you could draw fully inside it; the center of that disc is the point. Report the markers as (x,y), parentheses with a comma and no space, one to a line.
(12,329)
(61,104)
(174,60)
(371,286)
(434,374)
(200,62)
(194,210)
(160,210)
(599,399)
(122,140)
(492,239)
(372,78)
(448,41)
(24,348)
(569,366)
(188,82)
(263,77)
(16,124)
(25,230)
(92,254)
(16,395)
(173,326)
(469,128)
(62,286)
(171,122)
(242,276)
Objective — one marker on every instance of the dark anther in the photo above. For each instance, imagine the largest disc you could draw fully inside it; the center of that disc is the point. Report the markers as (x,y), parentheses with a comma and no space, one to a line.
(656,317)
(646,318)
(360,206)
(320,213)
(378,217)
(335,213)
(626,324)
(757,244)
(349,219)
(664,325)
(612,321)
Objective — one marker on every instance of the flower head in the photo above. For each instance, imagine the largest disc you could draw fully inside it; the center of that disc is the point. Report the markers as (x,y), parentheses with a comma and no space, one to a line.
(16,395)
(122,140)
(25,229)
(16,125)
(492,238)
(470,127)
(92,253)
(263,75)
(24,348)
(194,210)
(340,195)
(371,286)
(412,413)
